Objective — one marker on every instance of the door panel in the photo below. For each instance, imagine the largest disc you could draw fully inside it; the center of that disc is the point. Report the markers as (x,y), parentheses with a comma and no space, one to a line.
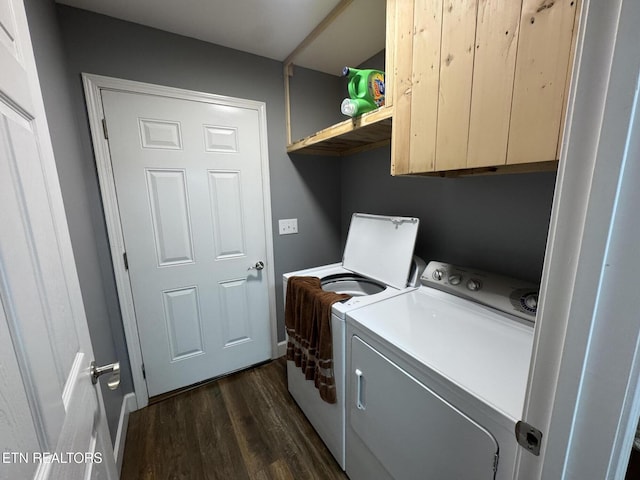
(160,134)
(221,139)
(17,431)
(24,298)
(170,216)
(182,312)
(188,179)
(236,323)
(226,208)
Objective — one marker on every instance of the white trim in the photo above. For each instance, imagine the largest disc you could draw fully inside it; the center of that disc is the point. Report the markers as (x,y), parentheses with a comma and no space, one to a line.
(93,84)
(268,225)
(128,406)
(583,385)
(116,240)
(282,349)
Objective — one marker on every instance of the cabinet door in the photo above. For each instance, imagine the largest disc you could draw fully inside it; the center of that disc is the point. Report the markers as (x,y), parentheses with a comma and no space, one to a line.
(456,77)
(415,90)
(478,83)
(494,63)
(541,77)
(408,428)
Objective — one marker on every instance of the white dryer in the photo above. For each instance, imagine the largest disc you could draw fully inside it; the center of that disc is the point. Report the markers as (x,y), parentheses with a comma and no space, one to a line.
(378,264)
(437,377)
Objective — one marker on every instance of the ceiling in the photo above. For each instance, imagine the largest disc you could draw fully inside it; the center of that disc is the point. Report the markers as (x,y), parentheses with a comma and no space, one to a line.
(270,28)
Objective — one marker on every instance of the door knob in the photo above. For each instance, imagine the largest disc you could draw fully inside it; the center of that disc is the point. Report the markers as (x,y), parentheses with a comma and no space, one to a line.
(112,368)
(258,266)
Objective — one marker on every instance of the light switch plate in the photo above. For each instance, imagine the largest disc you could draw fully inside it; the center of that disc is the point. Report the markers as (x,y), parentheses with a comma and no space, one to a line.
(287,226)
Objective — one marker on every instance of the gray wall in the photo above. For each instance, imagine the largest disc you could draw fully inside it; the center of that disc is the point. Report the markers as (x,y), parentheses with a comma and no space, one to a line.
(497,223)
(315,99)
(86,226)
(102,45)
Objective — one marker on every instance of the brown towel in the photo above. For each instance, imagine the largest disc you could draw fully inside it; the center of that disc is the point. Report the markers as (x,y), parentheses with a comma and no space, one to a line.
(307,318)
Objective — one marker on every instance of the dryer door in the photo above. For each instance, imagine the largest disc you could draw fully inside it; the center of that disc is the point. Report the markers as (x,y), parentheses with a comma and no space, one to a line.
(412,432)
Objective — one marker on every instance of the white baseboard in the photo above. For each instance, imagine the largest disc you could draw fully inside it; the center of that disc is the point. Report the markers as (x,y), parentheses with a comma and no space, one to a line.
(129,404)
(282,349)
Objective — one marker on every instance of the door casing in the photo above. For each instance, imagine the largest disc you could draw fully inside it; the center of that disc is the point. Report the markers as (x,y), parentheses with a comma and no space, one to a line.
(93,86)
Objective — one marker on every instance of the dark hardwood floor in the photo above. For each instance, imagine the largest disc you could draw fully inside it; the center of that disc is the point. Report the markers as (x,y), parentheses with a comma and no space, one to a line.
(633,469)
(244,426)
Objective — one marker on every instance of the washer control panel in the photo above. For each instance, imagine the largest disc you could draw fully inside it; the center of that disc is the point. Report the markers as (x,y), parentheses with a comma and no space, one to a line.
(515,297)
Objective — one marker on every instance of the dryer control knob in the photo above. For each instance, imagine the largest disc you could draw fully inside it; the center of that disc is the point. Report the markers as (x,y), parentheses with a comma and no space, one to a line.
(474,285)
(530,302)
(438,274)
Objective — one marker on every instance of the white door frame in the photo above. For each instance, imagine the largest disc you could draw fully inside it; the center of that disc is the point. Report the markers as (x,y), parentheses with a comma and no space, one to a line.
(93,85)
(584,390)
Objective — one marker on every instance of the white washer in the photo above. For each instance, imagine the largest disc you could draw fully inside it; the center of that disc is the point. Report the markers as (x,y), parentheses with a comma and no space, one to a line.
(378,264)
(437,382)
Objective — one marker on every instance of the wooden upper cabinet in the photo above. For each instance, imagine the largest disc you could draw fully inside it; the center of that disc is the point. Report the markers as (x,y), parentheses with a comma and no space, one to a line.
(496,45)
(542,70)
(478,84)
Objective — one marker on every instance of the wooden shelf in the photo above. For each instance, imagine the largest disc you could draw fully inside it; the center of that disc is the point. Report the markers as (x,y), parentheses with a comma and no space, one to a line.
(368,131)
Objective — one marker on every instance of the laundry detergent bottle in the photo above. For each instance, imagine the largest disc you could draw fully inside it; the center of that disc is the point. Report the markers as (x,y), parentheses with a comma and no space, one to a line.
(366,91)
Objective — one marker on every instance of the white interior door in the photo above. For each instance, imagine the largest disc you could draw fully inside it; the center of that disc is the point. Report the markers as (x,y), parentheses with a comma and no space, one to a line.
(188,179)
(52,422)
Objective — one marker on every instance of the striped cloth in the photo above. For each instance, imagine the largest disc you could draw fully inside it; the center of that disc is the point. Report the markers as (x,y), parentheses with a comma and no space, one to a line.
(308,322)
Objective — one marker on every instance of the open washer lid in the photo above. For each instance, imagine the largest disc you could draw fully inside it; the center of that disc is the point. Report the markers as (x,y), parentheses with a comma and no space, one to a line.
(381,247)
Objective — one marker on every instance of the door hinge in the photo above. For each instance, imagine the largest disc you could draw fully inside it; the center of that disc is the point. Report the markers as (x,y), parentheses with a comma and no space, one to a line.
(144,373)
(529,437)
(126,261)
(104,129)
(496,459)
